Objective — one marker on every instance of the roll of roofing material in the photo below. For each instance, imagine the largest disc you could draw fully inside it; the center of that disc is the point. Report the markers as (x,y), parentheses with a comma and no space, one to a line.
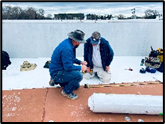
(125,103)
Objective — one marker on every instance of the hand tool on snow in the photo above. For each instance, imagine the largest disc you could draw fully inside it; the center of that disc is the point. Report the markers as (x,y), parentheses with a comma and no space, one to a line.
(130,69)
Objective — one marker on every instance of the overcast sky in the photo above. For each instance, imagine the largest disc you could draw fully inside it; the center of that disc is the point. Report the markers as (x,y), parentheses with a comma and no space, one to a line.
(114,8)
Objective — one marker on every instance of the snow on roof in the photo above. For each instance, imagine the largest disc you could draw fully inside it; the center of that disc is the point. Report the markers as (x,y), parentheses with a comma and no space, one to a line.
(13,78)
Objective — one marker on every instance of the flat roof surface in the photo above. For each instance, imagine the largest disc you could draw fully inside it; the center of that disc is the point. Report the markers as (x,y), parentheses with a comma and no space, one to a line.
(47,104)
(13,78)
(27,96)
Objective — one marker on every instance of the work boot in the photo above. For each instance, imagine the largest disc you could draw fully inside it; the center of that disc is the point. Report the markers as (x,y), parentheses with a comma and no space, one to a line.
(51,82)
(70,95)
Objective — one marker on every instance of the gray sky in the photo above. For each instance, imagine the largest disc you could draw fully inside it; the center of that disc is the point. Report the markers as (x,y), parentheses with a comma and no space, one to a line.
(114,8)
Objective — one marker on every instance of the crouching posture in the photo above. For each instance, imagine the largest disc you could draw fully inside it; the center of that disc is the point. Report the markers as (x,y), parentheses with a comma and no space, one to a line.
(99,55)
(62,69)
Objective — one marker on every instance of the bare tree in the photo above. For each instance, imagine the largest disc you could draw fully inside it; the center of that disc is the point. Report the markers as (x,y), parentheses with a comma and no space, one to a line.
(16,11)
(151,14)
(7,12)
(41,12)
(31,13)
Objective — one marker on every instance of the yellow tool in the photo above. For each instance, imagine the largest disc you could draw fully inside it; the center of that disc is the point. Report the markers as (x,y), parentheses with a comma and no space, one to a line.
(85,71)
(160,56)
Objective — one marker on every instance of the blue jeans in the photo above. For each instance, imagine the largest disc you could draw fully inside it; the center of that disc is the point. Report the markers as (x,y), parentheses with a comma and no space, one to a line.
(70,80)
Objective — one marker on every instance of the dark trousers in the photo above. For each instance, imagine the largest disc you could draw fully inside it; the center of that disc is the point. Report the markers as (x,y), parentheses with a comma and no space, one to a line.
(70,80)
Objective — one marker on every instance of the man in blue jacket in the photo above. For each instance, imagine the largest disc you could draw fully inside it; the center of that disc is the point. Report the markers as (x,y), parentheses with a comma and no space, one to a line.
(98,54)
(62,69)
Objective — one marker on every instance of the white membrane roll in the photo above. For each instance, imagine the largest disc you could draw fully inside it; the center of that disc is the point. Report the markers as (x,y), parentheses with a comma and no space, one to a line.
(125,103)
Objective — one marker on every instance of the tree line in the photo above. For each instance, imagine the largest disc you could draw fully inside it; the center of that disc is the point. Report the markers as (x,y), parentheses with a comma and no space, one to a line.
(9,12)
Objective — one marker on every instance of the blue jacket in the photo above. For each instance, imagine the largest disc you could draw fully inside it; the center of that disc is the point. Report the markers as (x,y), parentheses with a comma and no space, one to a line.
(106,53)
(63,58)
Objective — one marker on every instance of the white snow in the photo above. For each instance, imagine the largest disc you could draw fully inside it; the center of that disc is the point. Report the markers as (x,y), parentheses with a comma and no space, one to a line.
(13,78)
